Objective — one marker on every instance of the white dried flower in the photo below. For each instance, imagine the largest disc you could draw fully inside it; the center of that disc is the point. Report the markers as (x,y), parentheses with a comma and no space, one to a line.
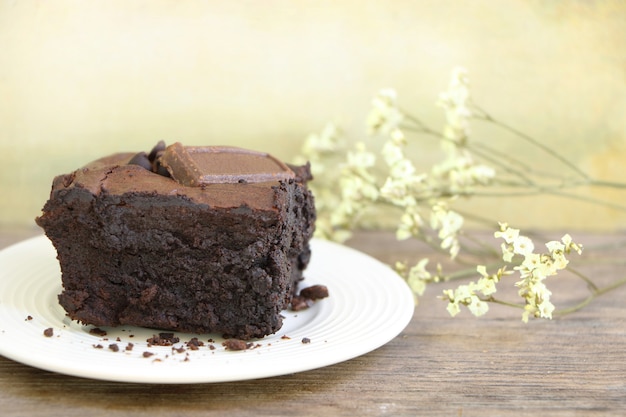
(392,153)
(419,276)
(384,117)
(507,233)
(454,101)
(523,245)
(411,223)
(360,159)
(465,295)
(448,224)
(570,245)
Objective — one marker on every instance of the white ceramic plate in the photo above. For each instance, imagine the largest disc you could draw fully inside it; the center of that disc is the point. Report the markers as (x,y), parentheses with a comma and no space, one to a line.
(368,306)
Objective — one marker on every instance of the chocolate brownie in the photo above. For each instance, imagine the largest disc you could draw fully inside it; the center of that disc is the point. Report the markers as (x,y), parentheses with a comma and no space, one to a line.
(191,239)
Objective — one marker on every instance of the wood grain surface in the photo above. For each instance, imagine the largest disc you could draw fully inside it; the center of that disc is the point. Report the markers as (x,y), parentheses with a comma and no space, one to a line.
(573,365)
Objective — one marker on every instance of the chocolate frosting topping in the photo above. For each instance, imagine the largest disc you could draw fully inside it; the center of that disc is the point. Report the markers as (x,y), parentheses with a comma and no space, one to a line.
(248,179)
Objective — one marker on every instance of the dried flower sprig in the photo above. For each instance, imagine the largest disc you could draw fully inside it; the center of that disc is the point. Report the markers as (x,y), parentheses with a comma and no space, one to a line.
(424,200)
(533,270)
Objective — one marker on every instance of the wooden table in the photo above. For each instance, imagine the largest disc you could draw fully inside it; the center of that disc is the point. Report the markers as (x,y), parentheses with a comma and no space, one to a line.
(492,366)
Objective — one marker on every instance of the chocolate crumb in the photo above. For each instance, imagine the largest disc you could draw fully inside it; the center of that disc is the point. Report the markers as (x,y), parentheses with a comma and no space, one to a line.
(314,292)
(307,295)
(97,332)
(147,354)
(98,346)
(285,337)
(163,339)
(194,343)
(299,303)
(306,340)
(29,318)
(49,332)
(129,346)
(114,347)
(236,344)
(179,349)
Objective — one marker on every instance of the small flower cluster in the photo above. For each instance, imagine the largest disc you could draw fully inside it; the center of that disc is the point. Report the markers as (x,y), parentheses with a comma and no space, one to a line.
(417,194)
(459,171)
(429,193)
(533,269)
(455,101)
(384,117)
(321,151)
(357,186)
(418,276)
(474,295)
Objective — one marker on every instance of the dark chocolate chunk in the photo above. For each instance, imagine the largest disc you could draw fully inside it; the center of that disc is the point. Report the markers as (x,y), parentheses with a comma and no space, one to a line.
(159,147)
(160,169)
(142,160)
(49,332)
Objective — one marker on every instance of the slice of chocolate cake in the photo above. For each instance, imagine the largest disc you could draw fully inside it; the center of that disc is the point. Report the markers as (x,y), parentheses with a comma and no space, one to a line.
(191,239)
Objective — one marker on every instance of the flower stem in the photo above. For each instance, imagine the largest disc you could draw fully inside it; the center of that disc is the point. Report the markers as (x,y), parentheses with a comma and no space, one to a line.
(595,294)
(483,115)
(590,283)
(502,302)
(421,126)
(464,273)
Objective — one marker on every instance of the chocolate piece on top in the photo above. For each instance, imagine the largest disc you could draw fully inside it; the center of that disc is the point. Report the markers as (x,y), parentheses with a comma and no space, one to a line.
(194,166)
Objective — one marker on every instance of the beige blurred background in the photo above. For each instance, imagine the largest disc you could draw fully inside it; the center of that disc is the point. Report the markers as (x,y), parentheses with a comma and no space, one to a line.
(80,79)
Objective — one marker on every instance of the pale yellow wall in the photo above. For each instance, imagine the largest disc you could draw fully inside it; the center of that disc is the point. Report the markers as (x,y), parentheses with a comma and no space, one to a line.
(79,79)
